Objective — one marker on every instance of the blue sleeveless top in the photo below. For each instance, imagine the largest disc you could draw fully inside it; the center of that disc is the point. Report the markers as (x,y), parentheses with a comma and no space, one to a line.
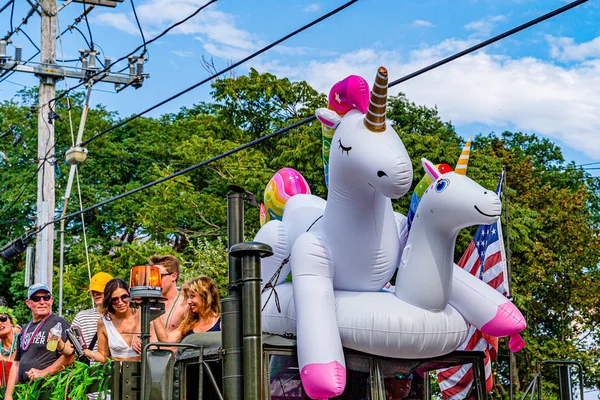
(215,328)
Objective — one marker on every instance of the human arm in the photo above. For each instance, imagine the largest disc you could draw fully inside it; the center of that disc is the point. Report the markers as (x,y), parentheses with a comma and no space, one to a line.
(164,336)
(12,380)
(103,352)
(61,363)
(65,348)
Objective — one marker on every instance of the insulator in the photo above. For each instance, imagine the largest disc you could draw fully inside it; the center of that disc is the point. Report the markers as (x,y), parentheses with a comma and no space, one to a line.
(92,60)
(18,53)
(2,48)
(140,66)
(131,65)
(107,61)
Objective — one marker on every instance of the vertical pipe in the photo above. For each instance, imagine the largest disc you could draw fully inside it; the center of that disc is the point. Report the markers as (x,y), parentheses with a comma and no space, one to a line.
(233,384)
(61,267)
(145,336)
(512,361)
(565,386)
(250,253)
(426,386)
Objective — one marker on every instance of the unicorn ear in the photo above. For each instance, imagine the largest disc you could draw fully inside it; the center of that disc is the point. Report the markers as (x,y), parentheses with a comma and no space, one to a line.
(430,169)
(328,117)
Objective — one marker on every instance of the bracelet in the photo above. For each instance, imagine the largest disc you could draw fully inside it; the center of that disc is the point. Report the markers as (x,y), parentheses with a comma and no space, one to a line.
(92,358)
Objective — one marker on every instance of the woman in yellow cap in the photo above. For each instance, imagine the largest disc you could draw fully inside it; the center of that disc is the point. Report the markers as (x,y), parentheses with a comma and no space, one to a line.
(87,320)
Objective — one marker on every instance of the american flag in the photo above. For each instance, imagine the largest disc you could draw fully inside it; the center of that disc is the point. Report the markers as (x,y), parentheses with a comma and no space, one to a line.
(486,259)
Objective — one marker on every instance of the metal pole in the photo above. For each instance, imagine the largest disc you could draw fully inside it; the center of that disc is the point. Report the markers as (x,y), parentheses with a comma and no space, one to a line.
(251,253)
(233,383)
(145,336)
(61,268)
(512,360)
(45,195)
(66,205)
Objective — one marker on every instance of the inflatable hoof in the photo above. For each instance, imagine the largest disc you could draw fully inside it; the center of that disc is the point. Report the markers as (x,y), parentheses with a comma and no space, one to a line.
(507,321)
(516,343)
(323,381)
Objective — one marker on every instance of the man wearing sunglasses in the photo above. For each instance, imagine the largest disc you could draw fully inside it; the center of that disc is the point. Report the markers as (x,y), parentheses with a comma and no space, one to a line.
(33,360)
(175,306)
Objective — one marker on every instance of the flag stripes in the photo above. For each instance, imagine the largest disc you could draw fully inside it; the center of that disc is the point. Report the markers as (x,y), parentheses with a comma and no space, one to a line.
(486,259)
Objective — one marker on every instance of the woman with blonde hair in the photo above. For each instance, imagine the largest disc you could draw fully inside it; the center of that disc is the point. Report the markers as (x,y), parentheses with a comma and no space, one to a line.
(202,315)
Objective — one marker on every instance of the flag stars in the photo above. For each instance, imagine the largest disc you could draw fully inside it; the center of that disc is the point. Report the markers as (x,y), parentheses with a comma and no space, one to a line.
(337,98)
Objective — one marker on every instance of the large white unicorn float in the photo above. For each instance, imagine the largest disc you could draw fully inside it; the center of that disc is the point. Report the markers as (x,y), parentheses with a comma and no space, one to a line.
(343,251)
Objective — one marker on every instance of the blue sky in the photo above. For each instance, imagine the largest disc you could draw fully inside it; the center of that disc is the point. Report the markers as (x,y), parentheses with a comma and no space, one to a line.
(545,80)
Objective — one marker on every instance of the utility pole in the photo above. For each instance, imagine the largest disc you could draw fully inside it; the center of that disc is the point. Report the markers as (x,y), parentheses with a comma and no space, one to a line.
(44,255)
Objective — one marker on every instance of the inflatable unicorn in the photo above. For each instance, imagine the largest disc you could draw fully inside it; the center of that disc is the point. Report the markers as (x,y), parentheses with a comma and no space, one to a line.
(343,251)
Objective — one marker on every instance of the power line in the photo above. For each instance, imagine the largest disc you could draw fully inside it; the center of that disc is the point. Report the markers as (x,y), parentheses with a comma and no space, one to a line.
(4,7)
(12,13)
(23,21)
(491,40)
(30,41)
(106,68)
(232,66)
(85,13)
(283,130)
(139,27)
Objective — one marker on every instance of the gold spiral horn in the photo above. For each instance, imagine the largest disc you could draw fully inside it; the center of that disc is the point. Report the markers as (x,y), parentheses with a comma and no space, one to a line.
(461,165)
(375,117)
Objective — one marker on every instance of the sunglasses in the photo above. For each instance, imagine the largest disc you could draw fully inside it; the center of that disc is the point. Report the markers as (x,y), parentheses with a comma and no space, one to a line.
(404,376)
(45,297)
(4,318)
(166,274)
(115,300)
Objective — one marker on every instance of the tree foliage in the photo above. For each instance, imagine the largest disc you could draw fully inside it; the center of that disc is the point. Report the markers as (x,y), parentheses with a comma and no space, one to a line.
(553,206)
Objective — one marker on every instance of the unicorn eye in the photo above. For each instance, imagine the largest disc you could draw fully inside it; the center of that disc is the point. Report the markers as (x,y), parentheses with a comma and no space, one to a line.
(441,185)
(344,148)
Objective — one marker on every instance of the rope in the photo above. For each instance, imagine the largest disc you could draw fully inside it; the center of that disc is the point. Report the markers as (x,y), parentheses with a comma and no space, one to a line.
(273,281)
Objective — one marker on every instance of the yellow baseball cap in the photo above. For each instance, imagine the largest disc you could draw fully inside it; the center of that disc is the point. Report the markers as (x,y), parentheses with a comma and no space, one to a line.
(99,281)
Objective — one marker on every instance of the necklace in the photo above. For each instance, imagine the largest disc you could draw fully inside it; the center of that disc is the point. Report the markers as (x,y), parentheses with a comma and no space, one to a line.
(171,310)
(26,343)
(13,346)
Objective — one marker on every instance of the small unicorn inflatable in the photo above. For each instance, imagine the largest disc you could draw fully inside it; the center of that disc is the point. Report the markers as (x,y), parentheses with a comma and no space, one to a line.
(344,250)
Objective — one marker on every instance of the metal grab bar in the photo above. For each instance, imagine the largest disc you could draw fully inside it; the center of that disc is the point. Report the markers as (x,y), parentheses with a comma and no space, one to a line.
(200,359)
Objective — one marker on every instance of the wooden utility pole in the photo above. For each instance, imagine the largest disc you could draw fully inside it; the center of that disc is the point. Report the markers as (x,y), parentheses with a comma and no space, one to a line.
(45,195)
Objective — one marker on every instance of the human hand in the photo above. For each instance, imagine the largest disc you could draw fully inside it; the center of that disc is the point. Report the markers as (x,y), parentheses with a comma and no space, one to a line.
(34,374)
(137,345)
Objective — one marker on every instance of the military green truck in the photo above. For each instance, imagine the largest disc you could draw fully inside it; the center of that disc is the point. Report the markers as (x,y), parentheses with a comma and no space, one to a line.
(243,363)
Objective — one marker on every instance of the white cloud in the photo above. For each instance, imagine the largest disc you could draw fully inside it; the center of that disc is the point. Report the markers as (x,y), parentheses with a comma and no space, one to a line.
(421,23)
(217,30)
(226,52)
(526,94)
(484,26)
(119,21)
(183,53)
(312,8)
(565,48)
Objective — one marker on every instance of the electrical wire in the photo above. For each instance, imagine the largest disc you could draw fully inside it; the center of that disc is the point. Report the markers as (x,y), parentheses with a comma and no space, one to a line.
(106,68)
(286,129)
(139,27)
(12,13)
(225,70)
(30,41)
(88,26)
(4,7)
(23,189)
(23,22)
